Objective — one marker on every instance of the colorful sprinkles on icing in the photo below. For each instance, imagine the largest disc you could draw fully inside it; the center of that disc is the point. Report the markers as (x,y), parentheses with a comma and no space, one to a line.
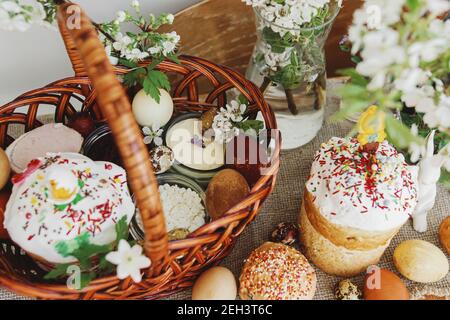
(342,169)
(101,200)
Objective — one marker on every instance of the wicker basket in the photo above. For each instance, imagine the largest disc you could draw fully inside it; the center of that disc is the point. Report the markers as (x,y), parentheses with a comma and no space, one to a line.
(175,264)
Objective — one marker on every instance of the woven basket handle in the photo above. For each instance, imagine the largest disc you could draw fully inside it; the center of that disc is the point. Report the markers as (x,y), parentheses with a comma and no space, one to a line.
(116,108)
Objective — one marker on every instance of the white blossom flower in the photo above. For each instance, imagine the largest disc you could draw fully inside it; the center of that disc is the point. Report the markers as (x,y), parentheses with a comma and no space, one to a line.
(128,49)
(437,7)
(170,18)
(167,46)
(113,60)
(171,43)
(224,122)
(235,110)
(419,98)
(380,43)
(291,14)
(254,3)
(135,4)
(136,54)
(11,6)
(21,15)
(427,50)
(153,135)
(122,42)
(121,16)
(438,116)
(411,78)
(129,261)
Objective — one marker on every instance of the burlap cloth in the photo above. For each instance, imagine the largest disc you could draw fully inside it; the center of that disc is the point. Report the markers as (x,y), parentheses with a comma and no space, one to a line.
(284,205)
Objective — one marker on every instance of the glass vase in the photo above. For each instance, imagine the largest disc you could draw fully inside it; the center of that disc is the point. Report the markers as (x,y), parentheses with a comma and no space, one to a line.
(289,65)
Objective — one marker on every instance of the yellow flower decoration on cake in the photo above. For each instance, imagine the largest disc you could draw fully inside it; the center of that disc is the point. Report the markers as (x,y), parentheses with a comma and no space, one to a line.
(62,185)
(371,126)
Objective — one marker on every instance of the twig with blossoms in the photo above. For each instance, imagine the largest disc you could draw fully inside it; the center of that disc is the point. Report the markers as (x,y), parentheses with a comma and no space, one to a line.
(232,119)
(20,15)
(290,51)
(124,48)
(403,51)
(129,48)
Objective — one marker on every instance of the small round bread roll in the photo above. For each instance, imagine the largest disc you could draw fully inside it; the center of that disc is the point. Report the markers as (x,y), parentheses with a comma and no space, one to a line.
(275,271)
(420,261)
(444,234)
(5,168)
(216,283)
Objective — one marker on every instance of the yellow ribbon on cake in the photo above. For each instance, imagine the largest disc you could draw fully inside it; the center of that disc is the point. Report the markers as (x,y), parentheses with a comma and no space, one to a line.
(371,126)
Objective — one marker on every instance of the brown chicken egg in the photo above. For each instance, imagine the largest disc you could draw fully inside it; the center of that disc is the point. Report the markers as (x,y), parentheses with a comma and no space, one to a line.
(383,284)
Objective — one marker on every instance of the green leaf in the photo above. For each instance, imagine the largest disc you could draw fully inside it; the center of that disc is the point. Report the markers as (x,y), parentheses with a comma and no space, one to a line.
(86,278)
(160,79)
(246,125)
(105,266)
(122,229)
(289,77)
(350,108)
(151,89)
(59,271)
(445,178)
(356,78)
(242,99)
(174,58)
(134,77)
(65,248)
(81,248)
(398,133)
(154,63)
(154,81)
(413,5)
(356,59)
(277,42)
(352,90)
(128,63)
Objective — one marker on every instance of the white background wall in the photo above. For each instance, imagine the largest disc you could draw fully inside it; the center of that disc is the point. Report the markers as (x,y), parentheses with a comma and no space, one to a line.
(37,57)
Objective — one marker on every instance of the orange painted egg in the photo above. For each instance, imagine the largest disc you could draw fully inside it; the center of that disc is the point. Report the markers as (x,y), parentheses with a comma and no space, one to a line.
(383,284)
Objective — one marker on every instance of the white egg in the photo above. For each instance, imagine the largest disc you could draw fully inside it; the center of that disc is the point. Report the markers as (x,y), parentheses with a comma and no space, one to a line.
(216,283)
(148,112)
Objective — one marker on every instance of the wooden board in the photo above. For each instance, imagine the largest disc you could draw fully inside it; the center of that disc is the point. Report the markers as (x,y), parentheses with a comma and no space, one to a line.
(225,32)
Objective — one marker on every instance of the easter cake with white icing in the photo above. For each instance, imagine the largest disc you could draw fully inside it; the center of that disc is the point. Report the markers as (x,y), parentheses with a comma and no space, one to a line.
(61,196)
(354,202)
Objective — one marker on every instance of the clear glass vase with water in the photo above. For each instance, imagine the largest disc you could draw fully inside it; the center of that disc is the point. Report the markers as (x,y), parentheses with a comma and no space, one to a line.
(290,67)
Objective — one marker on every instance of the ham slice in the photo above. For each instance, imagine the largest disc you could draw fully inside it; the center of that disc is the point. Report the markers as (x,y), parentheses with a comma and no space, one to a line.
(52,137)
